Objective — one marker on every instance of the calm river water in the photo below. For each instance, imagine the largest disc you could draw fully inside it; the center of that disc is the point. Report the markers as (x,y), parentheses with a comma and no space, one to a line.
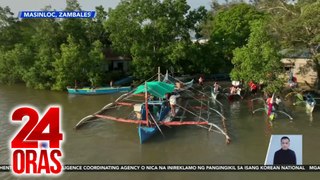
(107,142)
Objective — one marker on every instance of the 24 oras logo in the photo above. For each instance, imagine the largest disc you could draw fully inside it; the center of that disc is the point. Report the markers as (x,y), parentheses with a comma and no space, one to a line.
(36,146)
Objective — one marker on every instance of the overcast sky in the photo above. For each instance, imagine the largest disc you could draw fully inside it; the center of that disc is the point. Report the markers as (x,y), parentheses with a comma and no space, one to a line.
(21,5)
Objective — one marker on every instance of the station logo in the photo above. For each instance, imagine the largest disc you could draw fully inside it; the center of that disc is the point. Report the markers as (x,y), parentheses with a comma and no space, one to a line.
(36,146)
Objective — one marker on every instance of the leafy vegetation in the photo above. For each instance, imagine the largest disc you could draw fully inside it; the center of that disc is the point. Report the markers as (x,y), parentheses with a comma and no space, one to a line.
(243,38)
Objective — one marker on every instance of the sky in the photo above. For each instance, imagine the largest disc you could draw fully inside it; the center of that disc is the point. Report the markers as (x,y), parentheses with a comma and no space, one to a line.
(87,5)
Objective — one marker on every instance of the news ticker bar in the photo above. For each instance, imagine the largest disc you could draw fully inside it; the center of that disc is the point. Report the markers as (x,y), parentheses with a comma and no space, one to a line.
(56,14)
(181,168)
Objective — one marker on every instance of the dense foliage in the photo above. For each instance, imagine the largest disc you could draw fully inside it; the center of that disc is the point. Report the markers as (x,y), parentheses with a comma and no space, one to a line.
(243,38)
(50,53)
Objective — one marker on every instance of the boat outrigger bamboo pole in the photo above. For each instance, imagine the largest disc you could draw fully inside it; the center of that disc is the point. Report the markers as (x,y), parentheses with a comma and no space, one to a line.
(155,122)
(228,139)
(159,73)
(146,103)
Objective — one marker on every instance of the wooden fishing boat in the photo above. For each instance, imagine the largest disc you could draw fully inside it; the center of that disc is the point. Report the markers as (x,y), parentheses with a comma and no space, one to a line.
(158,110)
(101,90)
(153,111)
(270,110)
(308,100)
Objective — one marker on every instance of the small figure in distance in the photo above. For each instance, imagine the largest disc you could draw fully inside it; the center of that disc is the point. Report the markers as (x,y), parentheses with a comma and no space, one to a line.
(278,102)
(173,102)
(111,83)
(253,87)
(233,90)
(285,155)
(216,87)
(201,80)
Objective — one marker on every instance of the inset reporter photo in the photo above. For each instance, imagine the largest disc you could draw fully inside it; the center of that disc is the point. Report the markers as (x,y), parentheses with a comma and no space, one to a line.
(284,150)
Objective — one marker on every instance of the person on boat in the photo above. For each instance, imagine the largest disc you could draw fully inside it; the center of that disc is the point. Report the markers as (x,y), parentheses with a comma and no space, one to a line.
(201,80)
(216,87)
(92,83)
(233,90)
(270,104)
(173,102)
(277,102)
(269,100)
(75,85)
(238,91)
(111,83)
(151,98)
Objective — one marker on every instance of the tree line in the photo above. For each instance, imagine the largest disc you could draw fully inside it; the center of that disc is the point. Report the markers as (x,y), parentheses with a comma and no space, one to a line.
(244,39)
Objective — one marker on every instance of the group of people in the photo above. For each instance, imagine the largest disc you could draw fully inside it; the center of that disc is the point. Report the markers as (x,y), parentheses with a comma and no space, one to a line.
(253,87)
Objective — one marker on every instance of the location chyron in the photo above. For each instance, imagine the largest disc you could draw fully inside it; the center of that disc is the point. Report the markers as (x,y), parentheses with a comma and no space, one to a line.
(36,146)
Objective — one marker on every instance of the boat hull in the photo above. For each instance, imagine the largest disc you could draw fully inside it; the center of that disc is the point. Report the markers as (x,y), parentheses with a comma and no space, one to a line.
(105,90)
(146,133)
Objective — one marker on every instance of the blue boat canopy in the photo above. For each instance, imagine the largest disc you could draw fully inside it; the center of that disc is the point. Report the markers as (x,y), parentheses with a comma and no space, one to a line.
(156,88)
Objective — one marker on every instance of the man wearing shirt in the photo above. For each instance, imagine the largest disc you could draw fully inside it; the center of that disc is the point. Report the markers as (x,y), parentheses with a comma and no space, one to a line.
(285,155)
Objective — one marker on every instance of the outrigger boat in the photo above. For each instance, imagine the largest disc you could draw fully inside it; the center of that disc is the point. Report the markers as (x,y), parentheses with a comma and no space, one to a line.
(308,100)
(153,111)
(101,90)
(269,110)
(158,110)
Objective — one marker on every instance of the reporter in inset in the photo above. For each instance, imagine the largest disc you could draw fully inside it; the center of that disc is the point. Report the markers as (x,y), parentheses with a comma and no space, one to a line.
(285,155)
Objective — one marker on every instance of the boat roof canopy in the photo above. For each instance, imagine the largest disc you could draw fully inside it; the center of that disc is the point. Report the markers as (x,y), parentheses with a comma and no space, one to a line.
(156,88)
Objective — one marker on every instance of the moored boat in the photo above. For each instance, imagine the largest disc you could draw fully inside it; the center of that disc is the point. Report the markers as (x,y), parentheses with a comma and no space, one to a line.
(154,110)
(101,90)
